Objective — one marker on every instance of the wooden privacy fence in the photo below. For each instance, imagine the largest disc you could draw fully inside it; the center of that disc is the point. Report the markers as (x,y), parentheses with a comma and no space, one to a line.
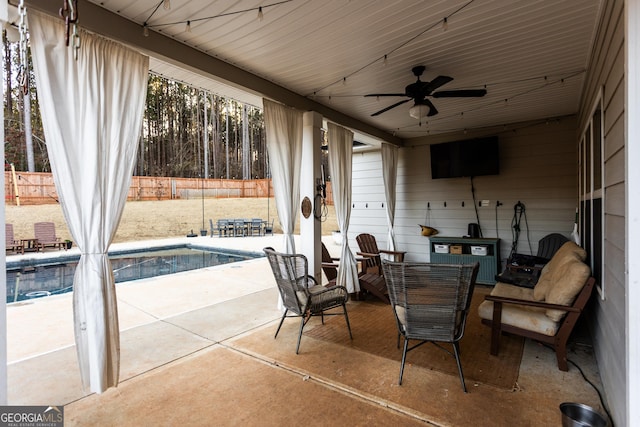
(33,188)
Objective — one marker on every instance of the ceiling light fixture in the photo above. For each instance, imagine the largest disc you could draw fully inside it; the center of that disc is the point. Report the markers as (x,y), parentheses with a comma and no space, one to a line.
(419,111)
(260,14)
(445,24)
(188,27)
(166,4)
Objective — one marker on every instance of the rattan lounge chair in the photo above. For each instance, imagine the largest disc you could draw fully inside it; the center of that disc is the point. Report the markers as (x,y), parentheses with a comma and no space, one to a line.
(301,294)
(430,303)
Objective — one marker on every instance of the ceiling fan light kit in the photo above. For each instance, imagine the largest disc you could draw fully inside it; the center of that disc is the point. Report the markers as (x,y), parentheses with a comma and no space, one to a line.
(419,91)
(419,111)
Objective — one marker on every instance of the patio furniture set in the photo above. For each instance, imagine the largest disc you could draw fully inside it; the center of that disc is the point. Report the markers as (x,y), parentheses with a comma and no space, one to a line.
(44,237)
(240,227)
(431,301)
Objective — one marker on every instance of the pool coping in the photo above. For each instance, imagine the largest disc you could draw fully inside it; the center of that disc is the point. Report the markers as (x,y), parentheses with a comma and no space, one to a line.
(25,260)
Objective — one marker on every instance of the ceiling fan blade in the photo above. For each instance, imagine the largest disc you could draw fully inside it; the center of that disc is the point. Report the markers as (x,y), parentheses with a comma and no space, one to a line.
(463,93)
(432,108)
(436,83)
(390,107)
(386,94)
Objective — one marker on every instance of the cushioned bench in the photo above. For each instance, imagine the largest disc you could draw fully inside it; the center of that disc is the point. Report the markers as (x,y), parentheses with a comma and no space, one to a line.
(549,311)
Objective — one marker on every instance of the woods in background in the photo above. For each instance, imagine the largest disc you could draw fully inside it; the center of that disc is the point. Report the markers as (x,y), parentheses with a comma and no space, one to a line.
(187,132)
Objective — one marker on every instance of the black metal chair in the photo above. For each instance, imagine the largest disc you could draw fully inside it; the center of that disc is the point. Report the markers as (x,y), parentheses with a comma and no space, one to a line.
(430,303)
(268,228)
(301,294)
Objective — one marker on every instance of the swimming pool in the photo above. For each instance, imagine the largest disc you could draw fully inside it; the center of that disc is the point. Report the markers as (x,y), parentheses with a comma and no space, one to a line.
(30,279)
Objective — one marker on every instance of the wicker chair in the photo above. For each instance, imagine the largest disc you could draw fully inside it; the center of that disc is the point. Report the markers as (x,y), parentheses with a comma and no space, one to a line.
(301,294)
(430,303)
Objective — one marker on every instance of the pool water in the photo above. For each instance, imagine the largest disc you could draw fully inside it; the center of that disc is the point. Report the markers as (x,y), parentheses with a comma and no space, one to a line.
(55,276)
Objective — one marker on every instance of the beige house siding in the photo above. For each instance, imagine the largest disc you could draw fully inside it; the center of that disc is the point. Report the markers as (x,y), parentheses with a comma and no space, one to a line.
(537,168)
(606,73)
(367,212)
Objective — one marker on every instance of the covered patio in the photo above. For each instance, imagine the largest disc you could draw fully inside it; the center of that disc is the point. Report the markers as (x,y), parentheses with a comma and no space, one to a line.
(560,80)
(198,347)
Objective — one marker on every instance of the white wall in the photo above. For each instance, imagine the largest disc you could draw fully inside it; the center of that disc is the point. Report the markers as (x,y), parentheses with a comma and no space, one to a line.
(538,164)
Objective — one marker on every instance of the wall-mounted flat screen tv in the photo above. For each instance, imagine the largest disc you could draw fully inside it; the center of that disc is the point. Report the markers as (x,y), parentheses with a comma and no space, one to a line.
(471,157)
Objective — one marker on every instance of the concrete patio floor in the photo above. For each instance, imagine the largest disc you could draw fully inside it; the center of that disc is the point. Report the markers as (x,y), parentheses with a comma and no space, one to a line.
(196,318)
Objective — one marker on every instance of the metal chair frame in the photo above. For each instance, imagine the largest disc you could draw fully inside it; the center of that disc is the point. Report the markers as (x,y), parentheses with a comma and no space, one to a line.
(301,294)
(430,303)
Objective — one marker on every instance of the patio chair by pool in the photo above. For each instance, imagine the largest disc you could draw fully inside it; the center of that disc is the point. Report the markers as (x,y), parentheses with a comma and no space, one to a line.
(239,227)
(45,232)
(301,294)
(430,303)
(222,227)
(268,228)
(11,243)
(256,227)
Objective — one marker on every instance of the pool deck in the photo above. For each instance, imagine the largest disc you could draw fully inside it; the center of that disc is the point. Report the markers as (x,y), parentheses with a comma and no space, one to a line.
(142,301)
(169,319)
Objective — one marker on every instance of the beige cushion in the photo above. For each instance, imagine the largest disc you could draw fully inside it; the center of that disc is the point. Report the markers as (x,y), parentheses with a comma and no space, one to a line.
(568,281)
(401,313)
(511,291)
(302,295)
(529,318)
(567,252)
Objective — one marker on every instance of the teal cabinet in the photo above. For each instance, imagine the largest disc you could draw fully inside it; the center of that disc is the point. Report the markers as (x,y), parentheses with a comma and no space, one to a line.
(462,250)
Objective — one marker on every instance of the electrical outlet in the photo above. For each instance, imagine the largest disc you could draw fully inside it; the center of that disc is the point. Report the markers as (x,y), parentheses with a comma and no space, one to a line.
(485,203)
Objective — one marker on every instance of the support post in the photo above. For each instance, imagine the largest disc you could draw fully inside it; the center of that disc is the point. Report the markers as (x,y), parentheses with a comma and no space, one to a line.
(310,228)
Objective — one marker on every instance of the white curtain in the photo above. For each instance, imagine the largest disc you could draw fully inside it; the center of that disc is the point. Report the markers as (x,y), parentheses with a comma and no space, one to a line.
(389,172)
(284,145)
(340,161)
(92,112)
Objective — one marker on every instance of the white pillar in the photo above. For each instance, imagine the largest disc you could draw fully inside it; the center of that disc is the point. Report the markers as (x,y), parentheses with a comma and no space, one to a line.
(310,228)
